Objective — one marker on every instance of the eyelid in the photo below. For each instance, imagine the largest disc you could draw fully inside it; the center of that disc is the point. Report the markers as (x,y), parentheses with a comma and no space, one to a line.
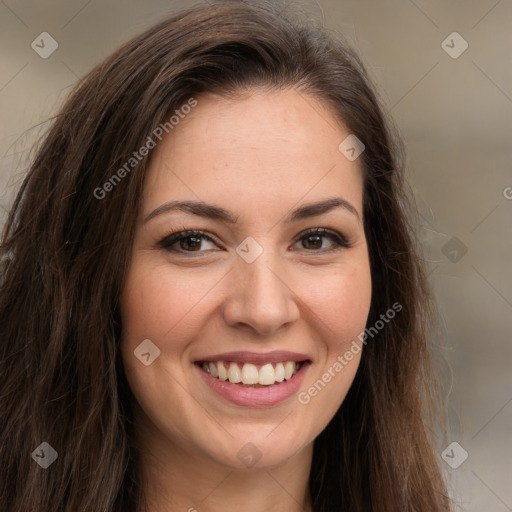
(334,235)
(176,236)
(339,240)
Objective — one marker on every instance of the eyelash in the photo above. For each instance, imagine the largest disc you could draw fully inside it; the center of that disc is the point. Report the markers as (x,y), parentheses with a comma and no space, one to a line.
(176,236)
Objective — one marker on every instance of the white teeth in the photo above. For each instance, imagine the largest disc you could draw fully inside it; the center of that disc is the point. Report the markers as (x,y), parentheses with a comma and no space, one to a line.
(250,374)
(223,374)
(289,368)
(213,369)
(267,375)
(234,373)
(279,372)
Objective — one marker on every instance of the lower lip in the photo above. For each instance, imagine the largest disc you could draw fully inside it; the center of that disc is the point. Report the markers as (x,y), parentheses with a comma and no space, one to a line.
(255,397)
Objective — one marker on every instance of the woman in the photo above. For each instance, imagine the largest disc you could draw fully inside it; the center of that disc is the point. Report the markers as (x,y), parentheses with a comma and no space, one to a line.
(284,364)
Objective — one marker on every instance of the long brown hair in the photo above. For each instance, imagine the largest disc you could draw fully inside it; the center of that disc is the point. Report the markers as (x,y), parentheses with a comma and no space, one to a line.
(65,252)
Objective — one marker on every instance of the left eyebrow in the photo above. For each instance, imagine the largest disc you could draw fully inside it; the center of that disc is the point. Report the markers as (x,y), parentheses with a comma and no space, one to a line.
(214,212)
(315,209)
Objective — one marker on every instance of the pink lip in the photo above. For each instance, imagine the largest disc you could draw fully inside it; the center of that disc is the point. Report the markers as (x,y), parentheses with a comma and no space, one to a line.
(277,356)
(255,397)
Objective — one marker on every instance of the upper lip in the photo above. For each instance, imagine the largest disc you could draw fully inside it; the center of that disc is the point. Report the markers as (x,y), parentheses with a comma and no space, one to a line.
(277,356)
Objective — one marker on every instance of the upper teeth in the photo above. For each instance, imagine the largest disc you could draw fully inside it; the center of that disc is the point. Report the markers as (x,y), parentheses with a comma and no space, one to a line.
(249,373)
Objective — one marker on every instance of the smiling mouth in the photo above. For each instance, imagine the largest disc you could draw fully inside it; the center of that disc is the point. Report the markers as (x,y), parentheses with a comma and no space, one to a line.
(251,375)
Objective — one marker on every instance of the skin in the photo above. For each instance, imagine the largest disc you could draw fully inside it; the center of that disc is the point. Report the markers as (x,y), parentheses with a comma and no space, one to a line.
(260,156)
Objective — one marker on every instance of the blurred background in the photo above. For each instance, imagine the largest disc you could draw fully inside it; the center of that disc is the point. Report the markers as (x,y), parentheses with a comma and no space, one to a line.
(444,72)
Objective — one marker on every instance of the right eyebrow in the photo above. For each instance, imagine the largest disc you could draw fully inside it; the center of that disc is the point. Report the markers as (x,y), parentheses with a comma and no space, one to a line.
(198,208)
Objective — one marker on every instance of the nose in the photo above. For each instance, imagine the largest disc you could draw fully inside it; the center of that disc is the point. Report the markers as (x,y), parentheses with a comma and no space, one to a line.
(259,298)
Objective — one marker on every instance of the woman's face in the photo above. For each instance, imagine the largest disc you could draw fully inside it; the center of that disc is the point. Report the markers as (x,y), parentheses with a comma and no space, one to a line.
(256,292)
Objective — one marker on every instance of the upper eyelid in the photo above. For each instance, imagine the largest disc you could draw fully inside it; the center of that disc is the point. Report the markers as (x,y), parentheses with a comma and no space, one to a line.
(186,232)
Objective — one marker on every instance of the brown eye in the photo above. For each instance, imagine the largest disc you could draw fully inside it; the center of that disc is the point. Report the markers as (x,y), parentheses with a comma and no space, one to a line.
(187,241)
(312,240)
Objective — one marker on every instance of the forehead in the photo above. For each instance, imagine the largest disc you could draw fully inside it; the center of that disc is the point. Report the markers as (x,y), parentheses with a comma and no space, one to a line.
(269,147)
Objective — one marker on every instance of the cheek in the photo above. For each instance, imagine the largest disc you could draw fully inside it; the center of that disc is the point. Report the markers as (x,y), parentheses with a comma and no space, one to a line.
(157,304)
(169,309)
(342,303)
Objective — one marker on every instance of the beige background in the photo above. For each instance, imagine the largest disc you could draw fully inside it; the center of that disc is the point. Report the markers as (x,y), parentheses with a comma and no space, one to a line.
(455,115)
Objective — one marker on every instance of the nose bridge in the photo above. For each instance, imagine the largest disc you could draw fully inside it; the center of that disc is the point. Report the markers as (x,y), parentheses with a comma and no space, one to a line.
(259,296)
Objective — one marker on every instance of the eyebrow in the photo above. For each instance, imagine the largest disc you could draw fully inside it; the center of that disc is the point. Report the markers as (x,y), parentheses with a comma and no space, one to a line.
(211,211)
